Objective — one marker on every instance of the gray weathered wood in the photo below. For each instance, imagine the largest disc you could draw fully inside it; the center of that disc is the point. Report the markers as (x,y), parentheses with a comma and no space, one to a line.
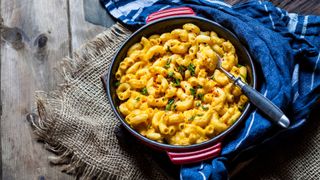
(96,14)
(81,30)
(34,35)
(293,6)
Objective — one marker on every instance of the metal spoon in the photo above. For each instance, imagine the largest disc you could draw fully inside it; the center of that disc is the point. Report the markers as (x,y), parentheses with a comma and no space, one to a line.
(258,99)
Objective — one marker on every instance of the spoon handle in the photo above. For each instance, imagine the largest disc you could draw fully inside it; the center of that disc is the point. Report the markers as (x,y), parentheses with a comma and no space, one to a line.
(263,104)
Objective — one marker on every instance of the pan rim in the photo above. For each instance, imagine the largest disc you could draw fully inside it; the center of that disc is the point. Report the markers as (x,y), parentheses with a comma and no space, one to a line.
(163,146)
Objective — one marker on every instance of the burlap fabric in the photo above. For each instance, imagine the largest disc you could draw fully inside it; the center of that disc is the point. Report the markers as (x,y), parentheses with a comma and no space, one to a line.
(77,123)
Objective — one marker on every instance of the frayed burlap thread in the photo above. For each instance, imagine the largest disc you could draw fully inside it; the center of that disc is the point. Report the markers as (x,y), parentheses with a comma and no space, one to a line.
(76,121)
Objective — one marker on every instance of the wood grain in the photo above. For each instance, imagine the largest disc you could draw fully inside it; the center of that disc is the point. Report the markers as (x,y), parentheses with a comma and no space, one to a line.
(34,35)
(298,6)
(292,6)
(81,30)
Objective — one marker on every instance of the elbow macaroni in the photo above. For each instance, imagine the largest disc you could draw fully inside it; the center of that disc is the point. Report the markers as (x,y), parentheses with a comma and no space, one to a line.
(171,91)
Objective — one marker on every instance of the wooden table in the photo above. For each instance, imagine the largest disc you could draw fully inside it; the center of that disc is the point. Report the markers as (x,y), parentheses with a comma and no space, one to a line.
(35,35)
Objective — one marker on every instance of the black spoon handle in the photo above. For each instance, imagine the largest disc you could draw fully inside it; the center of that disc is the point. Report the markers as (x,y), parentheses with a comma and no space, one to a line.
(264,104)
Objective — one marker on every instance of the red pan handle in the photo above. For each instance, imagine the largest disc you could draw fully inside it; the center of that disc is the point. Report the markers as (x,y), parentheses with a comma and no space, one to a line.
(191,156)
(194,156)
(170,12)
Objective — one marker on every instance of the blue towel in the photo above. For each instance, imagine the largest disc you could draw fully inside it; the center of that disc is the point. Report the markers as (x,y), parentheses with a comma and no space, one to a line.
(285,47)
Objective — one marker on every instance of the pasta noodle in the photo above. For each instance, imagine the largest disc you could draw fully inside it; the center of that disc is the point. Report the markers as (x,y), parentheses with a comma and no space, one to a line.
(171,91)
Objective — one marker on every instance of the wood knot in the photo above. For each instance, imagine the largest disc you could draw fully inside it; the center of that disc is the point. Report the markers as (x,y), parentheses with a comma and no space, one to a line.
(41,41)
(14,36)
(40,44)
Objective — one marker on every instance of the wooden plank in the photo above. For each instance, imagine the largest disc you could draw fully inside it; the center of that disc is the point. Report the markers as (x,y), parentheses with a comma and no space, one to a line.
(81,30)
(96,14)
(34,35)
(292,6)
(298,6)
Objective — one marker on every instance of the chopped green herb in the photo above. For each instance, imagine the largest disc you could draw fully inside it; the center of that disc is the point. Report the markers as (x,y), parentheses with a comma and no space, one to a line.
(193,91)
(240,108)
(174,107)
(192,118)
(138,98)
(170,74)
(168,63)
(168,106)
(200,96)
(198,104)
(199,86)
(176,82)
(144,91)
(181,69)
(171,101)
(199,115)
(204,108)
(238,65)
(191,68)
(117,83)
(212,77)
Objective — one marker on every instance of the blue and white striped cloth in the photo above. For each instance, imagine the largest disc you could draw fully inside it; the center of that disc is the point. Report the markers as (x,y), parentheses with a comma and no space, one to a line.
(285,47)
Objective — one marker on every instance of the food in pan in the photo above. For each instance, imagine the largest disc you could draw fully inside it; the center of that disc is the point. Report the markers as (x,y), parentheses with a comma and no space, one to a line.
(171,91)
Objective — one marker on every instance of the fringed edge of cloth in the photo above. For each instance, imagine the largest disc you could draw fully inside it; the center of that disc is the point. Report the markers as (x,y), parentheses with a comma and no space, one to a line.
(69,68)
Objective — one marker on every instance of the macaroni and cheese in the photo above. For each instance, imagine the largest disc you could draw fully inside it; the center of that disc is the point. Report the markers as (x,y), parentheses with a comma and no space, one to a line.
(171,91)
